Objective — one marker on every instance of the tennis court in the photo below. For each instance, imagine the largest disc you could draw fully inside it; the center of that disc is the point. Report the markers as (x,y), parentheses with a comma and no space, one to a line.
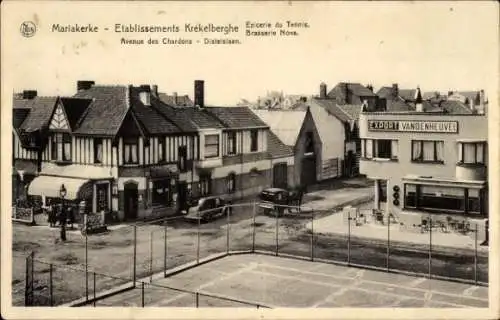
(268,281)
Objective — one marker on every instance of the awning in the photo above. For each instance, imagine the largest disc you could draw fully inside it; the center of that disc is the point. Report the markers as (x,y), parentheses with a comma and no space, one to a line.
(49,186)
(77,171)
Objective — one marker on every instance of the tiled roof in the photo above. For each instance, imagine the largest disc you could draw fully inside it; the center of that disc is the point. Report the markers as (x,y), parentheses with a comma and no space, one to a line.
(455,107)
(171,100)
(332,108)
(202,118)
(285,124)
(352,110)
(237,117)
(471,95)
(276,148)
(74,109)
(41,111)
(106,112)
(173,114)
(397,105)
(407,94)
(18,116)
(384,92)
(356,89)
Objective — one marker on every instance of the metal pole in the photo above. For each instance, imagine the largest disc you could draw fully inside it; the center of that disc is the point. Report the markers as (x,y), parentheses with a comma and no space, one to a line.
(430,247)
(475,255)
(388,239)
(197,296)
(151,257)
(135,254)
(254,227)
(312,236)
(94,290)
(349,238)
(142,294)
(198,241)
(86,269)
(227,232)
(51,286)
(277,232)
(165,249)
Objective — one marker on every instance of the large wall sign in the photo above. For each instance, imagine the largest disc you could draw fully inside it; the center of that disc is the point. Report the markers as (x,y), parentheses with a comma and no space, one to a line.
(413,126)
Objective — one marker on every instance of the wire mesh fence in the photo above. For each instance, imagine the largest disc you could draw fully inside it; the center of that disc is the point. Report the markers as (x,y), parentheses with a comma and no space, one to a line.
(141,252)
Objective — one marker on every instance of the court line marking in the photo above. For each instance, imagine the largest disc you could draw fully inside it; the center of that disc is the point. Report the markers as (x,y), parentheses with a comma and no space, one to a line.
(373,281)
(469,291)
(355,288)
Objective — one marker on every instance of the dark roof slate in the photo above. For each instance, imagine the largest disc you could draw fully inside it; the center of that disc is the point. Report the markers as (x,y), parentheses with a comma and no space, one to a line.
(201,117)
(455,107)
(182,100)
(352,110)
(18,116)
(237,117)
(356,89)
(41,111)
(276,148)
(332,108)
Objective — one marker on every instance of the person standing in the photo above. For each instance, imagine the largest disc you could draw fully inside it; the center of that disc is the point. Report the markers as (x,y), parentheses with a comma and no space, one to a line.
(62,221)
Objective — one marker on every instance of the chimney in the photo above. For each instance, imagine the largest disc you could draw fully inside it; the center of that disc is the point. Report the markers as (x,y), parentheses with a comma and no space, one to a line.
(84,85)
(322,90)
(176,99)
(145,94)
(154,90)
(29,94)
(199,93)
(419,107)
(395,90)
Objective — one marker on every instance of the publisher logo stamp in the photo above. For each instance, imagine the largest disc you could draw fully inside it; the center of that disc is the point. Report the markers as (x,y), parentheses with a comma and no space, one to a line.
(28,29)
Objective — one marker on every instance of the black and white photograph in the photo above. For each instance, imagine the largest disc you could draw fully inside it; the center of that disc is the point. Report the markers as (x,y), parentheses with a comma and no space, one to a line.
(289,159)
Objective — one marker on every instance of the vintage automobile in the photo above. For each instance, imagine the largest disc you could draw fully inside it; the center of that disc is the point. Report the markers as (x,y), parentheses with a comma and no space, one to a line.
(206,209)
(276,201)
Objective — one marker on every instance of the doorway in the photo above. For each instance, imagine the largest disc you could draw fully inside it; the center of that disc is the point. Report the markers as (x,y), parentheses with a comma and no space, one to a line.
(280,175)
(130,200)
(308,172)
(182,195)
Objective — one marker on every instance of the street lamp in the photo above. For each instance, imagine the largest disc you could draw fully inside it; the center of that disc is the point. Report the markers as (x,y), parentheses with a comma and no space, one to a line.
(62,193)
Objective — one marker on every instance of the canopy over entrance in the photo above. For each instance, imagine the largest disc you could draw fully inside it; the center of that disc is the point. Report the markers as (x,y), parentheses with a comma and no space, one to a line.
(49,186)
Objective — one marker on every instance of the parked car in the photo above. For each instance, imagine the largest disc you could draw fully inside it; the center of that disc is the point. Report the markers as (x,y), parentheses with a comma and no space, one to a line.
(277,200)
(206,209)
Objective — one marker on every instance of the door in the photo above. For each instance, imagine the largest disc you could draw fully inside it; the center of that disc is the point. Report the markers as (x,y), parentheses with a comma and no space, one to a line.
(130,201)
(182,195)
(308,174)
(280,175)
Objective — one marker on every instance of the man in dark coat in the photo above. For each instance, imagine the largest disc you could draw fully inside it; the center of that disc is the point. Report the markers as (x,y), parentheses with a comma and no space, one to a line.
(62,221)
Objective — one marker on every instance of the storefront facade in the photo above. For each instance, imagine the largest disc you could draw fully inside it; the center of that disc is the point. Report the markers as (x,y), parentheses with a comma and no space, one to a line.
(426,164)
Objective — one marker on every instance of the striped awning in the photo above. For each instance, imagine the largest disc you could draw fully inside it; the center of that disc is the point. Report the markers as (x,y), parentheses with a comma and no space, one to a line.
(48,186)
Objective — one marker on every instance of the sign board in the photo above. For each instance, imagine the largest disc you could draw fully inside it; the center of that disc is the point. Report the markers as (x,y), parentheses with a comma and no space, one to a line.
(413,126)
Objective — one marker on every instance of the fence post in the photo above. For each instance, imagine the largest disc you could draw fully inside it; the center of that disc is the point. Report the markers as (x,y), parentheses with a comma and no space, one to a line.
(198,241)
(151,257)
(430,247)
(277,232)
(51,286)
(165,249)
(349,237)
(312,236)
(254,227)
(94,290)
(388,240)
(142,294)
(197,299)
(228,222)
(475,254)
(135,254)
(86,269)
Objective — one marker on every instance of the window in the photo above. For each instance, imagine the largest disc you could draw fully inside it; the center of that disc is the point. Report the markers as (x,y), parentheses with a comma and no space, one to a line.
(253,140)
(97,150)
(161,149)
(130,151)
(61,147)
(102,196)
(182,151)
(231,183)
(435,198)
(212,146)
(231,142)
(379,148)
(205,185)
(309,143)
(161,194)
(472,152)
(427,151)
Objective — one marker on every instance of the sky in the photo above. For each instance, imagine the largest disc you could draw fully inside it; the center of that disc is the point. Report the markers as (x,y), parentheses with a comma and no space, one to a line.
(435,45)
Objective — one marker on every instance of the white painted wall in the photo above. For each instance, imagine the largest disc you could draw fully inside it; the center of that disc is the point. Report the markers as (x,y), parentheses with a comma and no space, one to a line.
(331,131)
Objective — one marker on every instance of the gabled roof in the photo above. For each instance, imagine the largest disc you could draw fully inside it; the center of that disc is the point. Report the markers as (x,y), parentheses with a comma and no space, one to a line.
(384,92)
(332,108)
(200,117)
(285,124)
(352,110)
(356,89)
(455,107)
(18,116)
(74,109)
(171,100)
(179,118)
(41,109)
(397,105)
(407,94)
(106,112)
(276,148)
(471,95)
(237,117)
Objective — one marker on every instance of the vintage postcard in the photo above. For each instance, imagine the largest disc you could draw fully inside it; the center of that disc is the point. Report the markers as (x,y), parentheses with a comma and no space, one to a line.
(233,160)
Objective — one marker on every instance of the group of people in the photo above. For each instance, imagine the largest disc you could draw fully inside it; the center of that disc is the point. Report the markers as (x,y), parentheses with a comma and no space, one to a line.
(57,214)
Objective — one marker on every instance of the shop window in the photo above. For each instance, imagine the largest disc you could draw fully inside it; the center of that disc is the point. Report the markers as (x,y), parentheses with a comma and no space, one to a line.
(231,142)
(205,184)
(231,183)
(254,145)
(130,151)
(472,153)
(97,150)
(427,151)
(211,146)
(437,199)
(161,193)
